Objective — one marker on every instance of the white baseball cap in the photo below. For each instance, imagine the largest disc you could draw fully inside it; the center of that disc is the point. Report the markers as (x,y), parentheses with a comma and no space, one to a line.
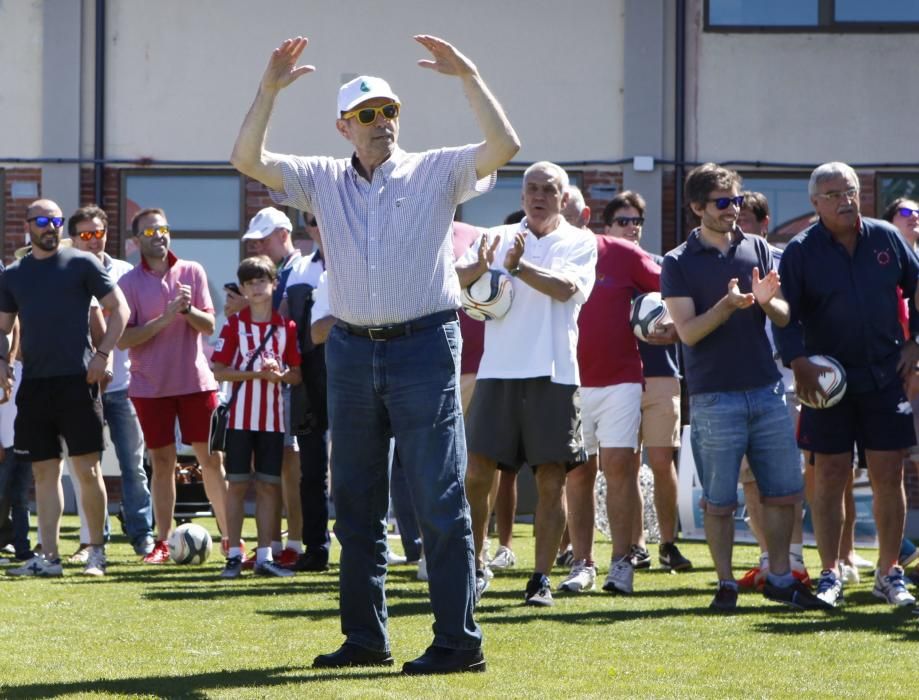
(362,88)
(266,222)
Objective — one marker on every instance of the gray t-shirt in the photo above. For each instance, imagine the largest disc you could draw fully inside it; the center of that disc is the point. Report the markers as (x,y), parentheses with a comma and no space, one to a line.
(52,297)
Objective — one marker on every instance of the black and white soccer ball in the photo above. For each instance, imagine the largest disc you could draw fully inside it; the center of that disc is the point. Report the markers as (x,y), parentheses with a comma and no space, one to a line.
(832,381)
(489,297)
(648,314)
(189,544)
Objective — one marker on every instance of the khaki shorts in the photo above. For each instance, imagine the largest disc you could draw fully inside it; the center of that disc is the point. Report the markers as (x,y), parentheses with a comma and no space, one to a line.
(660,412)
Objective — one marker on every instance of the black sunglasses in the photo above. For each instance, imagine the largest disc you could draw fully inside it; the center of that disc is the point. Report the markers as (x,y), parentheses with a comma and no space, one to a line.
(725,202)
(629,220)
(43,221)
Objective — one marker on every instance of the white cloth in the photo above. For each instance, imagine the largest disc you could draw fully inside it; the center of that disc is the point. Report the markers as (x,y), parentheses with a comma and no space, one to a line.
(321,298)
(539,335)
(121,363)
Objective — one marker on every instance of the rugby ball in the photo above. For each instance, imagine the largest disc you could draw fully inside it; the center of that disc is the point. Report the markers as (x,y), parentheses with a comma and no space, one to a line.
(189,544)
(832,381)
(489,297)
(648,314)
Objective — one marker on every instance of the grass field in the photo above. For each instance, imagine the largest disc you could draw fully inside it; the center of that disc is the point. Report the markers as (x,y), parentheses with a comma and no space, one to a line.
(179,632)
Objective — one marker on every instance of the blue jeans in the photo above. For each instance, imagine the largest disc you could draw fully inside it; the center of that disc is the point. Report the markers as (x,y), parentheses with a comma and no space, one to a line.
(128,442)
(727,425)
(407,388)
(404,509)
(15,479)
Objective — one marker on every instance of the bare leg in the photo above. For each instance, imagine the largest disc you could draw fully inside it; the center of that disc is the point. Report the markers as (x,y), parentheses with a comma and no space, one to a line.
(719,531)
(235,511)
(660,459)
(49,500)
(215,485)
(88,471)
(290,487)
(622,495)
(550,514)
(830,476)
(886,472)
(163,488)
(479,476)
(267,510)
(506,507)
(778,523)
(579,490)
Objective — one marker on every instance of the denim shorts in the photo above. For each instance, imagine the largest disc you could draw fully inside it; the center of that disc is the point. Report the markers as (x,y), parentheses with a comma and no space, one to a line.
(725,426)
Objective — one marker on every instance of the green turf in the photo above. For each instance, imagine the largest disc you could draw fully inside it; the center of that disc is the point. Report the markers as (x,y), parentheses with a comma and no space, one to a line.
(175,631)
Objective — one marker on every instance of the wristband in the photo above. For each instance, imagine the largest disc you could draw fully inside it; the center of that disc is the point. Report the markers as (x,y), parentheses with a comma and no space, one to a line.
(186,310)
(103,353)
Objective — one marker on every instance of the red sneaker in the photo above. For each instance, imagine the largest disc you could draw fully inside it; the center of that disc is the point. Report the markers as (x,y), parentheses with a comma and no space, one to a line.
(249,561)
(159,554)
(287,558)
(225,545)
(754,579)
(802,576)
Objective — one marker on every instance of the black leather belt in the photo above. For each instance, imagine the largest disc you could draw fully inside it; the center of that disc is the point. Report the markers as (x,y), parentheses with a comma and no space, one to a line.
(398,330)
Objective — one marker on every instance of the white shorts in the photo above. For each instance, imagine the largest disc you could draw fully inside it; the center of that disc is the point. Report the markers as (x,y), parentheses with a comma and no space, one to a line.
(610,416)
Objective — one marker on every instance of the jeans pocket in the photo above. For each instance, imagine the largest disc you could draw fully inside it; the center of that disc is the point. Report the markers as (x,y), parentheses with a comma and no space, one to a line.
(705,400)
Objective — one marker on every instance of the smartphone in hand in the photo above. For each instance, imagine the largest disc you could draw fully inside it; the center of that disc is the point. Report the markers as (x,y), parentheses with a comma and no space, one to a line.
(232,287)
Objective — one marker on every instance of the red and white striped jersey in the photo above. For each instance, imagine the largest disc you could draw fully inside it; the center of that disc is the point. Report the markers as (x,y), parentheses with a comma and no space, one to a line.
(258,404)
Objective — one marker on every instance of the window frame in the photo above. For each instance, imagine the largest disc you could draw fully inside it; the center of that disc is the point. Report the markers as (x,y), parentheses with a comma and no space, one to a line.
(826,24)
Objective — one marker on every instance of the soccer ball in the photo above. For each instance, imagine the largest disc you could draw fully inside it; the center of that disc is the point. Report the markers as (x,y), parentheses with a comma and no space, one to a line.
(648,314)
(832,382)
(489,297)
(189,544)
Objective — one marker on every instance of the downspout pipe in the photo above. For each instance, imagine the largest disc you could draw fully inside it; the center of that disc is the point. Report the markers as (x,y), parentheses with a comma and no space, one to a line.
(680,118)
(99,117)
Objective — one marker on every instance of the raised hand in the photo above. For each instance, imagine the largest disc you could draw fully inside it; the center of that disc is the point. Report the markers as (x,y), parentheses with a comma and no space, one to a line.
(282,67)
(738,299)
(765,289)
(447,59)
(487,252)
(515,252)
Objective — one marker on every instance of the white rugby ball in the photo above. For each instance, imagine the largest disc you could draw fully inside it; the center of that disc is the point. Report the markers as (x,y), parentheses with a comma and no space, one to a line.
(189,544)
(489,297)
(832,381)
(648,314)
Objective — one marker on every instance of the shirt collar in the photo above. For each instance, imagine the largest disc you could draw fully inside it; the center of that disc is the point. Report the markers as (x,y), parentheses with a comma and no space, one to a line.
(171,260)
(386,167)
(245,315)
(825,233)
(695,244)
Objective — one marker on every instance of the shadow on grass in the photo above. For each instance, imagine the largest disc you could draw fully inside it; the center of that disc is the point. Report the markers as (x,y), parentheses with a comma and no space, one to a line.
(193,686)
(237,591)
(883,620)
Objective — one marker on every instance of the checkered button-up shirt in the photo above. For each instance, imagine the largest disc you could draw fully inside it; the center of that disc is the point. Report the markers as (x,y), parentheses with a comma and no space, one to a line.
(388,242)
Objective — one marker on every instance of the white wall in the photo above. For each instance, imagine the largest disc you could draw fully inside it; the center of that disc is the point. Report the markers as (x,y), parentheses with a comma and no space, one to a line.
(182,75)
(20,78)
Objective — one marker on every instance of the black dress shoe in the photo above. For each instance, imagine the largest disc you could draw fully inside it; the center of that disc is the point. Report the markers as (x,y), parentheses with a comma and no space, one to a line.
(443,660)
(312,561)
(353,655)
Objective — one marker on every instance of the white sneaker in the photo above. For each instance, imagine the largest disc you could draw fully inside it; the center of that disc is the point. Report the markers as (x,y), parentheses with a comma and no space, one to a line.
(504,559)
(829,588)
(394,559)
(95,562)
(892,587)
(849,574)
(581,578)
(859,562)
(81,556)
(422,570)
(38,566)
(620,577)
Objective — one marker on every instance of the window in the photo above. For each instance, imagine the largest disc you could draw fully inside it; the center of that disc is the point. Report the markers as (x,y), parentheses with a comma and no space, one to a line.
(205,212)
(812,15)
(490,209)
(790,208)
(890,186)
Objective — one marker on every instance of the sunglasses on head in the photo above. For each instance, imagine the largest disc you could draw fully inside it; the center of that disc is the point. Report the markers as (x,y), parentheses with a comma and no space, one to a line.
(725,202)
(43,221)
(89,235)
(368,115)
(153,230)
(629,220)
(906,212)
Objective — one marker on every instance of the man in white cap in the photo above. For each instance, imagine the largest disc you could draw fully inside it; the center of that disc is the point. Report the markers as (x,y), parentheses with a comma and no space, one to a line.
(269,233)
(393,356)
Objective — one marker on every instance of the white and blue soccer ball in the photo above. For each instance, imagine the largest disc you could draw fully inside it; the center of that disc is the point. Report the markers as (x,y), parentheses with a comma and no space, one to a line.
(489,297)
(832,381)
(648,314)
(189,544)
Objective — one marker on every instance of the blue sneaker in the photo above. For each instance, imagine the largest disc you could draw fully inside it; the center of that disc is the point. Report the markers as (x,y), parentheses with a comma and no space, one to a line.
(829,588)
(908,553)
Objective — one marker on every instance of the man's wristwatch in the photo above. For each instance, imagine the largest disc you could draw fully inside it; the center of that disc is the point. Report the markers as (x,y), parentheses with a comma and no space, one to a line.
(514,271)
(186,310)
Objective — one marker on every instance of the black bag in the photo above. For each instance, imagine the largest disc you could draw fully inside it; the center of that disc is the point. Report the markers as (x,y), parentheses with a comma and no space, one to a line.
(220,418)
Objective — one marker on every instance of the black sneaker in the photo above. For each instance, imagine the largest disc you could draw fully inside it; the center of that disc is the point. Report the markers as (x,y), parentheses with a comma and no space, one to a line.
(641,557)
(725,600)
(796,595)
(669,555)
(539,591)
(566,558)
(312,561)
(233,568)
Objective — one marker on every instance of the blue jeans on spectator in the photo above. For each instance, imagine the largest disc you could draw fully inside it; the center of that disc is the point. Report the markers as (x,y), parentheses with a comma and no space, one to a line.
(314,491)
(404,509)
(727,425)
(406,388)
(128,442)
(15,479)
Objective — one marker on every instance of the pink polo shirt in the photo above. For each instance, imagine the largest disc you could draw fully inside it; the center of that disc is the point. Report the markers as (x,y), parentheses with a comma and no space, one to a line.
(172,362)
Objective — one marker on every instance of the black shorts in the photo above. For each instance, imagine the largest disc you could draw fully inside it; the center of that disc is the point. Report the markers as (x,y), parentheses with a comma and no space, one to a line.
(879,420)
(248,448)
(533,421)
(49,408)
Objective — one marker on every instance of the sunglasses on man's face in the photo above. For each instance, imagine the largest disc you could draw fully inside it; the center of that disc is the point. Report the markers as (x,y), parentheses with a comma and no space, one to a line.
(368,115)
(725,202)
(153,230)
(43,221)
(906,212)
(89,235)
(629,221)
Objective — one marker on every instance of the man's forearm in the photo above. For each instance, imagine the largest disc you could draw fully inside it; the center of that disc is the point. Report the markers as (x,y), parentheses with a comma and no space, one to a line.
(138,335)
(249,154)
(777,311)
(469,273)
(545,281)
(201,321)
(698,327)
(501,141)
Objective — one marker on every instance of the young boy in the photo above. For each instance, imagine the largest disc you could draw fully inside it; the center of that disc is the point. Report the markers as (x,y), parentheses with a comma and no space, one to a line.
(255,435)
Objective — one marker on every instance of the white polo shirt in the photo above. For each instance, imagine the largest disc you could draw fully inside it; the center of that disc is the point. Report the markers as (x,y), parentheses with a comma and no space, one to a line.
(539,335)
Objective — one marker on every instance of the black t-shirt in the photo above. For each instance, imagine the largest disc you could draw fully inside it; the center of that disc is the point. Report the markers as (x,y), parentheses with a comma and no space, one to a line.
(52,297)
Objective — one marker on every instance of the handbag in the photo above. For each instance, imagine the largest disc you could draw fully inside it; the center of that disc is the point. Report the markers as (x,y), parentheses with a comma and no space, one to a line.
(220,418)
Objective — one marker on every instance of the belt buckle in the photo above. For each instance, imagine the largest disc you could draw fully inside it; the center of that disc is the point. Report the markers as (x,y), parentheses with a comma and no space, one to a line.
(371,332)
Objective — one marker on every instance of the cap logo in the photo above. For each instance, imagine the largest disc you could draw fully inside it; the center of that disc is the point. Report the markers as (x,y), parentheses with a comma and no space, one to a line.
(364,87)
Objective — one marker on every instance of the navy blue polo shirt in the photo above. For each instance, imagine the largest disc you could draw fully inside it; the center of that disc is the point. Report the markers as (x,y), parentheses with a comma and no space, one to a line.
(846,305)
(736,356)
(658,360)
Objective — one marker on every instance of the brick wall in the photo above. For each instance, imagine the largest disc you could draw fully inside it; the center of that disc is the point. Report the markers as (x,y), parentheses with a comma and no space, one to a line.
(14,210)
(111,203)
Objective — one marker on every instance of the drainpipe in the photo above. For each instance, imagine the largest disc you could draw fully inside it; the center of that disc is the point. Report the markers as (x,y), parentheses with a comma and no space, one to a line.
(99,132)
(680,117)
